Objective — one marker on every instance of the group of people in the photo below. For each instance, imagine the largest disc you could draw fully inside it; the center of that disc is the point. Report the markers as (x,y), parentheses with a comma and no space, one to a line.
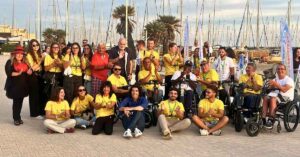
(72,86)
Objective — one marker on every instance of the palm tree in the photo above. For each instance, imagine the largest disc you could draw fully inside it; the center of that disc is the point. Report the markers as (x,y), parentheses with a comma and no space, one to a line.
(164,30)
(119,13)
(156,30)
(51,35)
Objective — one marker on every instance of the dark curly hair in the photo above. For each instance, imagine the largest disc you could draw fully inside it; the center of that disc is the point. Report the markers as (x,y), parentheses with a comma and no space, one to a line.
(55,94)
(106,84)
(139,89)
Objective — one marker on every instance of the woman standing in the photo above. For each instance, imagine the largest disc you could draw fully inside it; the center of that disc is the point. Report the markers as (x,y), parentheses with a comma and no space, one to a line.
(73,78)
(81,108)
(104,104)
(34,58)
(87,58)
(53,69)
(58,113)
(99,67)
(16,86)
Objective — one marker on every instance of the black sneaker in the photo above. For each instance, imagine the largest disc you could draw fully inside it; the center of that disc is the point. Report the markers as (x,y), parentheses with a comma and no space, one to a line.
(269,124)
(17,122)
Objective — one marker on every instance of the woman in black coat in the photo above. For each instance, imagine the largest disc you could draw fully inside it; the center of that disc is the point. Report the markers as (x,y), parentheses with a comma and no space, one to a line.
(16,85)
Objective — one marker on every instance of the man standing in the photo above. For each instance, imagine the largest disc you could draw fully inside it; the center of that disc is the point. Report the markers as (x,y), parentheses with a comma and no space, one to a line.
(171,115)
(210,116)
(124,57)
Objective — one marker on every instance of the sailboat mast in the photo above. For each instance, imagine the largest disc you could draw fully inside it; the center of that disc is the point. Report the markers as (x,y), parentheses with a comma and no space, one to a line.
(213,23)
(181,10)
(67,21)
(257,26)
(13,15)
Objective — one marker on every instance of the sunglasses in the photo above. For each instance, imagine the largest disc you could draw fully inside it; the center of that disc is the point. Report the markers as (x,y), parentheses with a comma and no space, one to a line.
(116,69)
(75,48)
(81,90)
(35,45)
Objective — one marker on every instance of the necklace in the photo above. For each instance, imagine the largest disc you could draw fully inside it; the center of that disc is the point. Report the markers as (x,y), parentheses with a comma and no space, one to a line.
(171,109)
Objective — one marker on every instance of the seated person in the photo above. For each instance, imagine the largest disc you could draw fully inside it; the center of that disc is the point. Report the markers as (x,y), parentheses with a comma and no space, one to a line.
(210,116)
(58,114)
(207,77)
(254,83)
(147,75)
(104,104)
(171,115)
(81,108)
(187,81)
(119,83)
(133,107)
(285,93)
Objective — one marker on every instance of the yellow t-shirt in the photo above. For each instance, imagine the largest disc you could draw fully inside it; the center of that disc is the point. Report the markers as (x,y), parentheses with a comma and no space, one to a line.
(257,78)
(143,74)
(103,112)
(32,63)
(118,82)
(211,75)
(57,108)
(170,107)
(75,64)
(49,60)
(88,71)
(171,69)
(206,105)
(81,105)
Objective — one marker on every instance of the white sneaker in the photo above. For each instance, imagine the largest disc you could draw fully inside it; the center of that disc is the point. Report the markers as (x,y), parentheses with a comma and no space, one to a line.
(137,133)
(82,127)
(127,134)
(203,132)
(39,117)
(217,133)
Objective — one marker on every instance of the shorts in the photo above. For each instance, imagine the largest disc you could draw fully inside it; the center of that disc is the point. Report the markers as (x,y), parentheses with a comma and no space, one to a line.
(279,97)
(211,123)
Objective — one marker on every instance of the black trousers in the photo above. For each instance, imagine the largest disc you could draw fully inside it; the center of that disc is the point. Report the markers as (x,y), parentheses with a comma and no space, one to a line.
(17,107)
(104,124)
(70,86)
(168,85)
(36,106)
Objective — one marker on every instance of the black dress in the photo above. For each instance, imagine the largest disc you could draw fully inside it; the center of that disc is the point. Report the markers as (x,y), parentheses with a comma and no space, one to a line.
(17,86)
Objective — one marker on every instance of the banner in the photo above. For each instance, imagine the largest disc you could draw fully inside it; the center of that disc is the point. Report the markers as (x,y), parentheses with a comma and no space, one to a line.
(200,42)
(286,48)
(186,40)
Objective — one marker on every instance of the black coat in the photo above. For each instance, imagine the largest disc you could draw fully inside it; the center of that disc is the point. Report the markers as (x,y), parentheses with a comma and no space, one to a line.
(15,86)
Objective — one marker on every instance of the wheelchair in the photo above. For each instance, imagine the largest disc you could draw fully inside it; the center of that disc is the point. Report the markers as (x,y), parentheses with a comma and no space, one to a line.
(288,112)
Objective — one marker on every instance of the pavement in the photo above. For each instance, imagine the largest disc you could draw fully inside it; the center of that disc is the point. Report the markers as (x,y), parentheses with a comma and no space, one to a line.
(31,140)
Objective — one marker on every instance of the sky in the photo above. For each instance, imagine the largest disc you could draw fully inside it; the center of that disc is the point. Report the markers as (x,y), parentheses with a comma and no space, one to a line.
(228,17)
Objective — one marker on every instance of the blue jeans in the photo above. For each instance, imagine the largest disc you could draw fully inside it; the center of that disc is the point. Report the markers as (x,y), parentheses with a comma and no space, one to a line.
(80,121)
(251,103)
(136,120)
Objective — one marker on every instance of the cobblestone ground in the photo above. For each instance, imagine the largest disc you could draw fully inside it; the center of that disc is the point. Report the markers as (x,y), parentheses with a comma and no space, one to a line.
(31,140)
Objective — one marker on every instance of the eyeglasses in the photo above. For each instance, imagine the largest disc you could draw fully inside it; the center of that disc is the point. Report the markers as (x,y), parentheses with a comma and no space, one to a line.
(203,64)
(35,45)
(81,90)
(281,69)
(117,69)
(75,48)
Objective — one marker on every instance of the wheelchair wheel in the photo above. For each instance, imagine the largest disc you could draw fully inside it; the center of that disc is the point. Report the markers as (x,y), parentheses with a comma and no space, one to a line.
(252,128)
(239,121)
(154,117)
(291,117)
(148,119)
(117,116)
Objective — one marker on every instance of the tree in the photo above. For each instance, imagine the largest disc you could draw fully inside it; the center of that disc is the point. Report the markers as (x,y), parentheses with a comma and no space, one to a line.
(120,13)
(163,30)
(51,35)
